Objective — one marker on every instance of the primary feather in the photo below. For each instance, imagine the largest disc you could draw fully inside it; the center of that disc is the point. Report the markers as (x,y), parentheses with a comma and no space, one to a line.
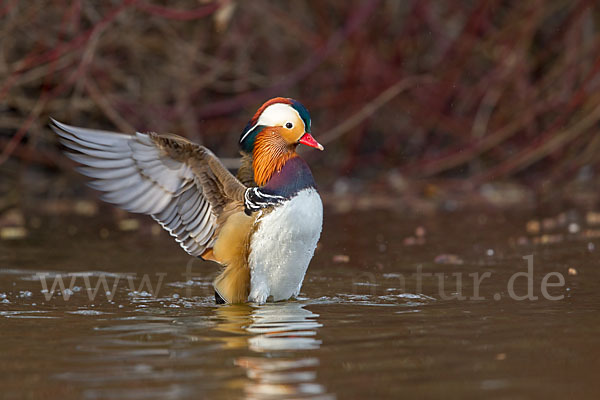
(182,185)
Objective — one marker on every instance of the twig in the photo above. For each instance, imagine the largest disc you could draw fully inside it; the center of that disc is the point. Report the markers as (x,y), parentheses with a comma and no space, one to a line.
(107,108)
(372,107)
(178,14)
(527,157)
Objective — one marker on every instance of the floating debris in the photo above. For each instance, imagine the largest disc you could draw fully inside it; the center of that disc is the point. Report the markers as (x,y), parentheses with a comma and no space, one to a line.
(12,225)
(13,232)
(412,241)
(448,259)
(548,239)
(572,272)
(129,224)
(505,194)
(341,258)
(501,356)
(85,208)
(592,218)
(522,241)
(573,227)
(533,227)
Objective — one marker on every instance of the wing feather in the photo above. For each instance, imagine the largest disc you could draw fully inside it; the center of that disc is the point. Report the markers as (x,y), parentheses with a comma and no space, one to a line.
(183,186)
(99,153)
(107,173)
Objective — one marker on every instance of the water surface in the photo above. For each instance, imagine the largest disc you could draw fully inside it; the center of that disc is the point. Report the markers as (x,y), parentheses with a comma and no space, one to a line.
(366,325)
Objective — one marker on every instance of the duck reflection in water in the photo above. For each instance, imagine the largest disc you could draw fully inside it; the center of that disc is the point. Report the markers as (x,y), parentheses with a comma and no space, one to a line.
(280,334)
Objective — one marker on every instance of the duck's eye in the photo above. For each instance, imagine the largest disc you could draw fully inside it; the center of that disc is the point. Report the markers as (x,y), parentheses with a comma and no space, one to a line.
(289,125)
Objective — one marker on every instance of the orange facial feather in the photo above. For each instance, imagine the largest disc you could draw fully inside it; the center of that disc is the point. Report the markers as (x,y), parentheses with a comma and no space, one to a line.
(271,152)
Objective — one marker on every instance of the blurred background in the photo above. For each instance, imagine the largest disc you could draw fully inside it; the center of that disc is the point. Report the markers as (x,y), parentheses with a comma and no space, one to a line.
(461,139)
(421,105)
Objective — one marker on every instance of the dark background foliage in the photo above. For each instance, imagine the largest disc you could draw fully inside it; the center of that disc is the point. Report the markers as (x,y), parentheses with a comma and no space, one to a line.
(462,93)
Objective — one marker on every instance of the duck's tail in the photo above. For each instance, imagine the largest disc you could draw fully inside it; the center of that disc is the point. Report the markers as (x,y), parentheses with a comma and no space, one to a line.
(233,284)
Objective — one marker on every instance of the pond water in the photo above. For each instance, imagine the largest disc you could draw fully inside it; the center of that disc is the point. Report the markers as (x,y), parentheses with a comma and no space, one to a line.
(389,308)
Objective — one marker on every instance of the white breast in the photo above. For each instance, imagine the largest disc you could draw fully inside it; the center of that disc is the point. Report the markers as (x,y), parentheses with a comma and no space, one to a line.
(282,247)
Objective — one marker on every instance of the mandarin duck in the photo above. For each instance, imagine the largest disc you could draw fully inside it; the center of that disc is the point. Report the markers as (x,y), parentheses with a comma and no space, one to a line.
(261,226)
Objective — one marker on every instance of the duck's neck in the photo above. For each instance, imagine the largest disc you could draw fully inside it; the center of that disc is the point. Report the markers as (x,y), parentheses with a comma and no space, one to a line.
(293,177)
(270,154)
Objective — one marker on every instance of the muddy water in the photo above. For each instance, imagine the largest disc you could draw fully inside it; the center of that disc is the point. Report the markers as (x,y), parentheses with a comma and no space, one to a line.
(389,308)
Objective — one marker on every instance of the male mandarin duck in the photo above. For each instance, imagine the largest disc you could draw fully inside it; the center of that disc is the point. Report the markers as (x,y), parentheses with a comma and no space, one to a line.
(261,226)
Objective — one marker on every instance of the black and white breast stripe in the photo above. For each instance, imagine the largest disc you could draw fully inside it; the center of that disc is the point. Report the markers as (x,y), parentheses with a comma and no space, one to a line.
(255,199)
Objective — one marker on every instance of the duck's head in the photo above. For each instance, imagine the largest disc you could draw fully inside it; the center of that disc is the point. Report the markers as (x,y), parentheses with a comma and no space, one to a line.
(285,121)
(273,134)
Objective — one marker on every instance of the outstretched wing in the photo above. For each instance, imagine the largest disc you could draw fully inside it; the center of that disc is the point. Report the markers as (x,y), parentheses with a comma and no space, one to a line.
(182,185)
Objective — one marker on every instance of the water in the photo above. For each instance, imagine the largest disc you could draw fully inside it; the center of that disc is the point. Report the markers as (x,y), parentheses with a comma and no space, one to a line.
(367,325)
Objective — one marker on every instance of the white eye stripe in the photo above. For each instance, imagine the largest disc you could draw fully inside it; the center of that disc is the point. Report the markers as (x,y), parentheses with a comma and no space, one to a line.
(278,114)
(247,133)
